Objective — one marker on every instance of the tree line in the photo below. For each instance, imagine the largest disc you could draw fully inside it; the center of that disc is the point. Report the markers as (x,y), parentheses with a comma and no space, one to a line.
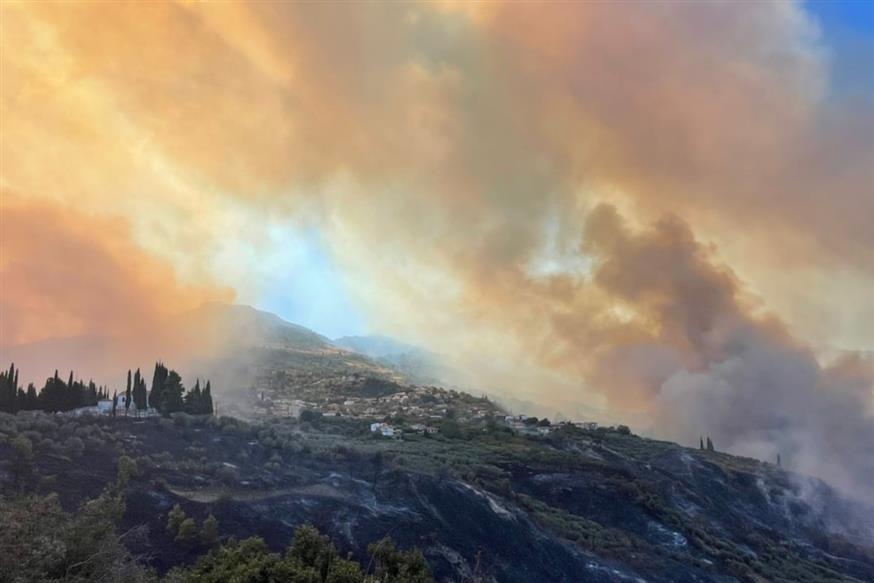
(168,394)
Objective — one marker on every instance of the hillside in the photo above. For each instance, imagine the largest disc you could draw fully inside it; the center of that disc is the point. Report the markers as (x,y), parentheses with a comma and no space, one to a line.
(239,345)
(261,355)
(482,502)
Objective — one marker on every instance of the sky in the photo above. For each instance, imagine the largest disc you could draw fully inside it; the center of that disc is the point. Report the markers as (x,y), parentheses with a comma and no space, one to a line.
(655,212)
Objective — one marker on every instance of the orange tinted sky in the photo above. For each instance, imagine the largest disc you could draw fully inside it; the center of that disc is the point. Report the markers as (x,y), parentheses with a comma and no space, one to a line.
(439,171)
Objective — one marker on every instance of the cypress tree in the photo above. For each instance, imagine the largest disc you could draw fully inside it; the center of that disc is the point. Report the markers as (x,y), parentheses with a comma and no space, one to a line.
(193,399)
(20,399)
(70,401)
(31,400)
(91,394)
(8,392)
(159,380)
(710,444)
(114,402)
(207,400)
(701,443)
(172,394)
(139,392)
(209,533)
(127,394)
(53,396)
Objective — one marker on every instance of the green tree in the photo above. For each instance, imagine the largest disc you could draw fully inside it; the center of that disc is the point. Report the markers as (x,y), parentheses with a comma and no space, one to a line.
(175,518)
(396,566)
(311,558)
(140,395)
(159,379)
(187,533)
(193,400)
(247,561)
(39,541)
(22,460)
(31,401)
(172,394)
(127,394)
(208,408)
(209,533)
(9,390)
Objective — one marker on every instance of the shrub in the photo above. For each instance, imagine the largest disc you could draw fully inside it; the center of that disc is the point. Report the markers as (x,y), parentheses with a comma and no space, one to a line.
(174,519)
(209,533)
(74,446)
(187,533)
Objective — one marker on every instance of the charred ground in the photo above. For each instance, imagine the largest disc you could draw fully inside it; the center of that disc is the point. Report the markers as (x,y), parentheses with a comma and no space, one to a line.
(483,504)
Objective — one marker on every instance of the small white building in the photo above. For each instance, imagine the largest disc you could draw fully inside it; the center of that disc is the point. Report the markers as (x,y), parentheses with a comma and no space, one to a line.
(422,428)
(120,401)
(588,425)
(104,406)
(383,429)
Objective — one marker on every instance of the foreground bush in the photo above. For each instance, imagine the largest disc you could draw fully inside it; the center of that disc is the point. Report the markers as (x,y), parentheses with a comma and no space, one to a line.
(39,541)
(311,558)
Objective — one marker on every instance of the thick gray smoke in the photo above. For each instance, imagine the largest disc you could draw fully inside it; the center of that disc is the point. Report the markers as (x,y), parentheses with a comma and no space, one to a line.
(711,366)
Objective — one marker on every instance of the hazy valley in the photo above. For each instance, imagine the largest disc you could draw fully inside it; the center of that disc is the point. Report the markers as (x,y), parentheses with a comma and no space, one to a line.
(309,432)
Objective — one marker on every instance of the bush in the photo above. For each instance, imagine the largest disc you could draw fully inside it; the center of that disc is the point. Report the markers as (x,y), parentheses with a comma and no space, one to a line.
(311,557)
(227,475)
(187,533)
(39,541)
(22,458)
(74,446)
(175,519)
(181,419)
(209,533)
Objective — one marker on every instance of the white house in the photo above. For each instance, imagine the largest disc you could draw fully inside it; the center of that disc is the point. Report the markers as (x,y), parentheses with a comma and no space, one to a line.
(120,400)
(383,429)
(104,406)
(422,428)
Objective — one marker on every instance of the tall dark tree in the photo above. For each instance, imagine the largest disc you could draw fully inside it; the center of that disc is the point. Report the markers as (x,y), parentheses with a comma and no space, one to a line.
(140,395)
(31,401)
(159,380)
(9,390)
(127,394)
(207,400)
(171,397)
(90,395)
(701,443)
(114,402)
(54,395)
(193,399)
(710,444)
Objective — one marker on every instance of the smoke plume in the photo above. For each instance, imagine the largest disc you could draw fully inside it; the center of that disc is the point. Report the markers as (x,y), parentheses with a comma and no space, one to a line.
(655,212)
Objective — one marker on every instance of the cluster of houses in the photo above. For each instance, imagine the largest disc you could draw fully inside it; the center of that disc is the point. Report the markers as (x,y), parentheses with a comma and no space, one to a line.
(413,402)
(387,430)
(104,407)
(522,424)
(421,405)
